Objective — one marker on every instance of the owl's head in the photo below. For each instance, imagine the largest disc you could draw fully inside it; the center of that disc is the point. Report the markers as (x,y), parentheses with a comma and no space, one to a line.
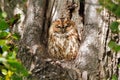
(62,25)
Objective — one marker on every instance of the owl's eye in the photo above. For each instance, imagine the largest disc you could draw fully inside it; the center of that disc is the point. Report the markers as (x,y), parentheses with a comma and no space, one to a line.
(66,26)
(58,26)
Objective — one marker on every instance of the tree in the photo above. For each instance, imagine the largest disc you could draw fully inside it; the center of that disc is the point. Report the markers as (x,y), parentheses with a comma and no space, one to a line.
(95,60)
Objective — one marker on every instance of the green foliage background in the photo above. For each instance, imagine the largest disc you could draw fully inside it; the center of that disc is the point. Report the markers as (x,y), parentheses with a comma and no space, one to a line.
(10,67)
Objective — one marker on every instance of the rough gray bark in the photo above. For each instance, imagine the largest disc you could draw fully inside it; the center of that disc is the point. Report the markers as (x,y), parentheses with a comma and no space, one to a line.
(95,60)
(108,59)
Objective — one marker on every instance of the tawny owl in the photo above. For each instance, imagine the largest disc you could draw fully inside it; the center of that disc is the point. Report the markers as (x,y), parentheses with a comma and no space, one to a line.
(63,42)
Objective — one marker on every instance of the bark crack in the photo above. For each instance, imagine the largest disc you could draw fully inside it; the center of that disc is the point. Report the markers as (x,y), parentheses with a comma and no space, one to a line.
(82,9)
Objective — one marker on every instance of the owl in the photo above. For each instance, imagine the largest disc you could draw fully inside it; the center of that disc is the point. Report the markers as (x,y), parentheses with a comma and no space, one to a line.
(63,41)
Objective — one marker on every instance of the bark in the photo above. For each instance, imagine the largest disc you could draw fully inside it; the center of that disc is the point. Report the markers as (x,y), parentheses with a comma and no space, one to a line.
(95,60)
(108,58)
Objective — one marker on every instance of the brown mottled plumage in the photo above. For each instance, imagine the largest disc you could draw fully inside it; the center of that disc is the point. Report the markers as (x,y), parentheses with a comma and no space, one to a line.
(63,40)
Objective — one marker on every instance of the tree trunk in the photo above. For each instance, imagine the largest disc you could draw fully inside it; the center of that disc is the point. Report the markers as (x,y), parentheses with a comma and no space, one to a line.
(95,60)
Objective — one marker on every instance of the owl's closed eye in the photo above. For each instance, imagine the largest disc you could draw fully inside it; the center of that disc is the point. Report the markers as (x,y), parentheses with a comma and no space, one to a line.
(63,40)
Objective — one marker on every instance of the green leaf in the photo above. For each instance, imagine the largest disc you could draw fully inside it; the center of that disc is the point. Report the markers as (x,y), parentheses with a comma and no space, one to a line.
(12,55)
(4,14)
(117,11)
(1,78)
(5,53)
(114,46)
(3,24)
(16,49)
(114,77)
(114,27)
(3,34)
(4,71)
(5,47)
(24,0)
(2,42)
(13,20)
(16,77)
(17,67)
(16,36)
(118,65)
(111,6)
(1,17)
(2,59)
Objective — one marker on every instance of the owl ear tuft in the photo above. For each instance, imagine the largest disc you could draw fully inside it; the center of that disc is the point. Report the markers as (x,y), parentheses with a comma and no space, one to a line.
(56,20)
(67,19)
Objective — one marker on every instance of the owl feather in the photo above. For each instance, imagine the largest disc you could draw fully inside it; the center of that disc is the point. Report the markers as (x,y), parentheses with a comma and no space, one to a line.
(63,41)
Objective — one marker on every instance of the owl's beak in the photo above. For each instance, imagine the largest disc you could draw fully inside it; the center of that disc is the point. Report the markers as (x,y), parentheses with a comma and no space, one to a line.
(63,30)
